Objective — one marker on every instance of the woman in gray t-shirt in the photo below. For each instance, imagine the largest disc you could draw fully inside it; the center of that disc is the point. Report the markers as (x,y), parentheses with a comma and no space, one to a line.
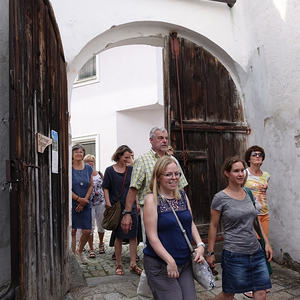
(243,262)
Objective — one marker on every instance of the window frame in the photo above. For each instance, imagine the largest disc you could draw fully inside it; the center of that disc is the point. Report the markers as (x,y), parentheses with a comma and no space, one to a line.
(91,79)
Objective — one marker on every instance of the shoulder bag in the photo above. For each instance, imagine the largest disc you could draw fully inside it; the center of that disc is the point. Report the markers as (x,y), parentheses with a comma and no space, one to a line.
(258,230)
(201,271)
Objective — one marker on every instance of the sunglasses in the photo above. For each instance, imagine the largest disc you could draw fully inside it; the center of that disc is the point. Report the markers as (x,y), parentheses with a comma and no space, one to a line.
(256,154)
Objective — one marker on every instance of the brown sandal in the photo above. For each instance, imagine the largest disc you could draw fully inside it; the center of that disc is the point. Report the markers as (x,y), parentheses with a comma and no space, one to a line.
(119,270)
(135,269)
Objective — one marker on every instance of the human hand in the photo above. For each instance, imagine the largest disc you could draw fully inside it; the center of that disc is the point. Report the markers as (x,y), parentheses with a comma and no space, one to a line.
(83,201)
(269,252)
(126,223)
(172,269)
(79,208)
(199,254)
(211,261)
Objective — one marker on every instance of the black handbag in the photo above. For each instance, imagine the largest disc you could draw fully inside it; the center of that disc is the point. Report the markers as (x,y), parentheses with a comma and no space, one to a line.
(111,215)
(258,230)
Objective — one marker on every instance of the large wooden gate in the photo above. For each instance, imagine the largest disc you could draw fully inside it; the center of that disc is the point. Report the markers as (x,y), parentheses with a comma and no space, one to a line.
(39,181)
(205,118)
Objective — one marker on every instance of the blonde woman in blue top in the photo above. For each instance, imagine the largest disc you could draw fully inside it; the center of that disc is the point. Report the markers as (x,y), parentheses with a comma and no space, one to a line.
(167,257)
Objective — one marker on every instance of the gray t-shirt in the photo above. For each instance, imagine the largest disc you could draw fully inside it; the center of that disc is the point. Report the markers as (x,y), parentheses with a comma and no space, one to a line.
(237,217)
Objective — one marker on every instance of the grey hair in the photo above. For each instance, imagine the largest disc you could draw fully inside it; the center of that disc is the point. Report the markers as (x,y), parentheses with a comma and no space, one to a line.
(154,129)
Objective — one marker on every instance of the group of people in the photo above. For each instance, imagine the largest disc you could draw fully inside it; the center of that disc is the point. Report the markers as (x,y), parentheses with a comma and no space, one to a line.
(154,187)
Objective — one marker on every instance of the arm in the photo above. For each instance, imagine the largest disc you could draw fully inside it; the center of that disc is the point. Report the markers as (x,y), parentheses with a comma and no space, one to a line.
(106,196)
(150,221)
(130,199)
(196,237)
(268,248)
(212,233)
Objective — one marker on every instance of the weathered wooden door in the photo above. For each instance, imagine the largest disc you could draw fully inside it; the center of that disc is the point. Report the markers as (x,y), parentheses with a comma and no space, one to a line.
(39,181)
(204,116)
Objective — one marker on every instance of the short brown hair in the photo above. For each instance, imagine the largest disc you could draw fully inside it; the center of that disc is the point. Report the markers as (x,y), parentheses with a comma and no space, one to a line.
(120,151)
(230,161)
(252,149)
(76,147)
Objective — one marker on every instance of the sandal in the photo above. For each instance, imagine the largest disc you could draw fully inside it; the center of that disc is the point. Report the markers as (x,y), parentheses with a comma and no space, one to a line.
(119,270)
(248,294)
(92,254)
(101,249)
(135,269)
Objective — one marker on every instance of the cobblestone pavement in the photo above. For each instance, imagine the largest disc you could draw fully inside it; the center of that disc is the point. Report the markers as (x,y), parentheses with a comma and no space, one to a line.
(102,283)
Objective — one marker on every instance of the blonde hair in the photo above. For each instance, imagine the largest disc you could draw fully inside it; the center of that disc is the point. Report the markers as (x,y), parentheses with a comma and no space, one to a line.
(158,170)
(90,157)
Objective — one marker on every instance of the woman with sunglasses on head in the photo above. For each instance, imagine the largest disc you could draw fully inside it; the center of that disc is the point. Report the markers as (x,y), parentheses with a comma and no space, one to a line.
(167,257)
(257,182)
(243,262)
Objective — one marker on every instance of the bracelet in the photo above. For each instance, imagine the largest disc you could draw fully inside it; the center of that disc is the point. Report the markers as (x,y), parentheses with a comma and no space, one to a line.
(210,253)
(201,244)
(77,198)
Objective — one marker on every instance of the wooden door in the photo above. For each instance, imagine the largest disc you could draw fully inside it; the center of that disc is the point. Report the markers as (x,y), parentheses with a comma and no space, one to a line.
(39,181)
(204,116)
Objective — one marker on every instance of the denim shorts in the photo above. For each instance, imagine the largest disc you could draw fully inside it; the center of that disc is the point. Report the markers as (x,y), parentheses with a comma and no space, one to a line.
(244,272)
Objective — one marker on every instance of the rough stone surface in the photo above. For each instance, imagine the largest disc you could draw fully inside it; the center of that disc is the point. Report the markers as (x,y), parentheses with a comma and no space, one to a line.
(108,286)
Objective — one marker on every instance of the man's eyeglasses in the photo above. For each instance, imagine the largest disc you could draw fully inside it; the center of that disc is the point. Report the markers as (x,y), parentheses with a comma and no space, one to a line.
(170,174)
(256,154)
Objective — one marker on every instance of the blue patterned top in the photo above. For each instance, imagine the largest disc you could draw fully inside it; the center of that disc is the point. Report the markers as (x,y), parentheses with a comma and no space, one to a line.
(169,231)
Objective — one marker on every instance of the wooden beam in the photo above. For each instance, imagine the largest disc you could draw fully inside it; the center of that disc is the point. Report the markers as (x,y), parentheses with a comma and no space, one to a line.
(230,3)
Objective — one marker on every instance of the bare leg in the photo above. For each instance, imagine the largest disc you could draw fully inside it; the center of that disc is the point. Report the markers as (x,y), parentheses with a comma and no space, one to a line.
(260,295)
(118,251)
(73,244)
(83,239)
(91,242)
(101,237)
(224,296)
(133,250)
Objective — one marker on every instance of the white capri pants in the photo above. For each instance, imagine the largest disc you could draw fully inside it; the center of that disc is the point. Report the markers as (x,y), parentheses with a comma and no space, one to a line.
(97,216)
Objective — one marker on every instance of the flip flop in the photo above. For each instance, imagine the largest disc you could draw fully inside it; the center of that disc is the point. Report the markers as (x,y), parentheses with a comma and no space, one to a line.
(135,269)
(119,270)
(248,294)
(101,249)
(92,254)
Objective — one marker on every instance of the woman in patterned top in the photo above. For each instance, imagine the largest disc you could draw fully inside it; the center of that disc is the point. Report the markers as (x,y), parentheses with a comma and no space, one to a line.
(257,182)
(98,206)
(167,260)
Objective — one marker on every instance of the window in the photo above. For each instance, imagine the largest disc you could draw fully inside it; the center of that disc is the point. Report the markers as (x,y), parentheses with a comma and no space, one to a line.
(88,73)
(90,144)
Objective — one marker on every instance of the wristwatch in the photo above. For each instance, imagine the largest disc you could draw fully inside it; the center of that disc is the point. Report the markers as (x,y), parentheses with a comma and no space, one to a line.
(126,212)
(210,253)
(201,244)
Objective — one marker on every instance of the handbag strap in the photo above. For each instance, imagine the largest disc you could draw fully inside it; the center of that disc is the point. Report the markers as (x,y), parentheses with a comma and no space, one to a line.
(123,183)
(256,226)
(180,225)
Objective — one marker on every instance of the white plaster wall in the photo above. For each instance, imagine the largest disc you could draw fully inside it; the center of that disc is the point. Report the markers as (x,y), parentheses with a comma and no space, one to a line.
(273,109)
(257,41)
(133,127)
(129,78)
